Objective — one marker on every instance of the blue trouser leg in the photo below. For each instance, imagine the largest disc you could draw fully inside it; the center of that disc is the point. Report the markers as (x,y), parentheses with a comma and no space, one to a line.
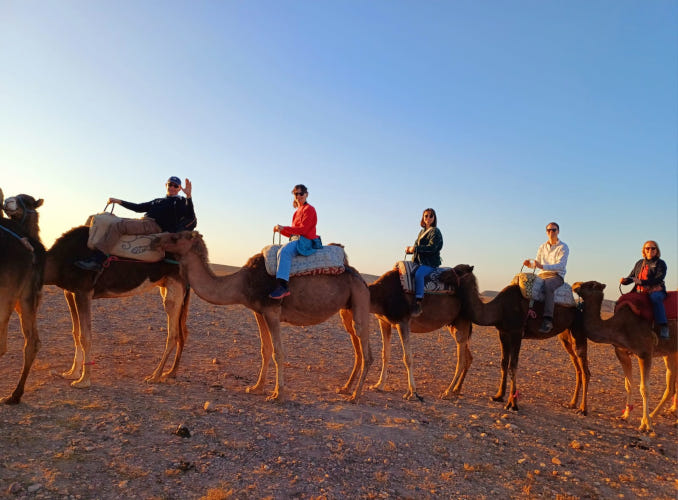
(419,275)
(285,255)
(550,287)
(657,299)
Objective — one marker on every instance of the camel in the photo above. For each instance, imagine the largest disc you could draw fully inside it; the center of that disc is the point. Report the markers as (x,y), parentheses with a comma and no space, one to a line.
(313,300)
(121,278)
(508,312)
(390,304)
(631,335)
(22,261)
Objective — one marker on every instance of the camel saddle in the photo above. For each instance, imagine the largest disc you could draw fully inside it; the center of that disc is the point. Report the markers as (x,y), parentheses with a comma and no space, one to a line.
(532,288)
(129,246)
(641,305)
(432,283)
(327,260)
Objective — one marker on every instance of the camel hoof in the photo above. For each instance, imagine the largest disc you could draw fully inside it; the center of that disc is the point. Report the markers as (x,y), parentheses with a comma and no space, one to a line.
(275,398)
(70,375)
(10,400)
(499,399)
(255,389)
(81,384)
(377,387)
(153,380)
(343,390)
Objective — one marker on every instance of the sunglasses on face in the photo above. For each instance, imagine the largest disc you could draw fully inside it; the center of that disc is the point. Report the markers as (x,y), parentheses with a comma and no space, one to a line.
(650,248)
(299,194)
(551,229)
(172,185)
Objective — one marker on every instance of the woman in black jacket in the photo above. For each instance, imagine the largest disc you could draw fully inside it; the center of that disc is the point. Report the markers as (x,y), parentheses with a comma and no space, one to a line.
(648,275)
(426,250)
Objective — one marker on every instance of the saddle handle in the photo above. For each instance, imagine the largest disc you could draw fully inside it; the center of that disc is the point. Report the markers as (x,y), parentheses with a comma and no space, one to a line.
(534,269)
(112,205)
(279,238)
(620,288)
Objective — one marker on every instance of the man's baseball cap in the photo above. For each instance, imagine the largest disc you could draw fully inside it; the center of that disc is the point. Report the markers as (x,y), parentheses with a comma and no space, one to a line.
(175,180)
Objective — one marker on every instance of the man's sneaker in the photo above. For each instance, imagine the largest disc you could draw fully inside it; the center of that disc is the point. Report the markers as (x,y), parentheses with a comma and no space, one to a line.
(279,293)
(546,326)
(416,308)
(664,331)
(90,264)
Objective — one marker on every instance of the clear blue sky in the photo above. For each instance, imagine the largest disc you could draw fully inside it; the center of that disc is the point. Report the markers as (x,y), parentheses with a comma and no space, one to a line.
(502,116)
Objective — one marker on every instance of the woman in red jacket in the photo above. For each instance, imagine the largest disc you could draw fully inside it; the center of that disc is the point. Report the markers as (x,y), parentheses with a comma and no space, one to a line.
(303,239)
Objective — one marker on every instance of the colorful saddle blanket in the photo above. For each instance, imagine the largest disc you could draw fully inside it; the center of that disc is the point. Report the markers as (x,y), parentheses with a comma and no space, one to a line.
(129,246)
(641,305)
(432,283)
(328,260)
(532,287)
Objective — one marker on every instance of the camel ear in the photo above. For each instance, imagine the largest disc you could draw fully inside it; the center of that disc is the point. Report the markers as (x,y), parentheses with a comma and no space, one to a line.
(471,268)
(602,286)
(39,203)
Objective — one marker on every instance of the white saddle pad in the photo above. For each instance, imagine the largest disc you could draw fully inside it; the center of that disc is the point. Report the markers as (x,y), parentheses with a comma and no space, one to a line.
(432,284)
(328,260)
(129,246)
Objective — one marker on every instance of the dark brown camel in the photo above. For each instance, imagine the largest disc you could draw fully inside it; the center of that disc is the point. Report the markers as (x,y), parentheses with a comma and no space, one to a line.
(22,262)
(392,306)
(508,312)
(630,335)
(313,299)
(122,278)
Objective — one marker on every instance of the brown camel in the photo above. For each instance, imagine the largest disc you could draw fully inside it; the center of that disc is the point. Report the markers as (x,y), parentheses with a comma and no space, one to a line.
(631,335)
(508,312)
(313,300)
(121,278)
(391,305)
(22,262)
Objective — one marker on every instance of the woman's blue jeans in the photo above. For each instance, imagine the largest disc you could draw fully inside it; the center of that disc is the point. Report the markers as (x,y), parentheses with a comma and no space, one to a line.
(657,299)
(285,255)
(419,275)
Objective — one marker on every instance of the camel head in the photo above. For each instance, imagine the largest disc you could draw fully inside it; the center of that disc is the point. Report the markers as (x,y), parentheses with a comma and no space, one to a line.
(452,277)
(181,243)
(19,207)
(588,289)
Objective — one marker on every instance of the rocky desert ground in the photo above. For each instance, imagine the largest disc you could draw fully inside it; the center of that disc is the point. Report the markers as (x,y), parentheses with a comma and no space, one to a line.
(201,435)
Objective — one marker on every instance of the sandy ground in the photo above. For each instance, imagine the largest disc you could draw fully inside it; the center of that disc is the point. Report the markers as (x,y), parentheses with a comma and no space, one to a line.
(117,439)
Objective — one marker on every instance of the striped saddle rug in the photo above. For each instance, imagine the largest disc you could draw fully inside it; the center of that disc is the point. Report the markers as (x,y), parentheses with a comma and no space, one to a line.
(532,287)
(432,284)
(328,260)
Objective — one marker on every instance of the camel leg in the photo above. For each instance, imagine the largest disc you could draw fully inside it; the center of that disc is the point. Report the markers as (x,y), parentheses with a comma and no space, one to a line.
(273,323)
(361,324)
(266,352)
(6,308)
(347,320)
(172,299)
(76,368)
(408,360)
(386,333)
(671,362)
(27,314)
(516,339)
(579,357)
(462,335)
(625,361)
(645,363)
(83,303)
(505,353)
